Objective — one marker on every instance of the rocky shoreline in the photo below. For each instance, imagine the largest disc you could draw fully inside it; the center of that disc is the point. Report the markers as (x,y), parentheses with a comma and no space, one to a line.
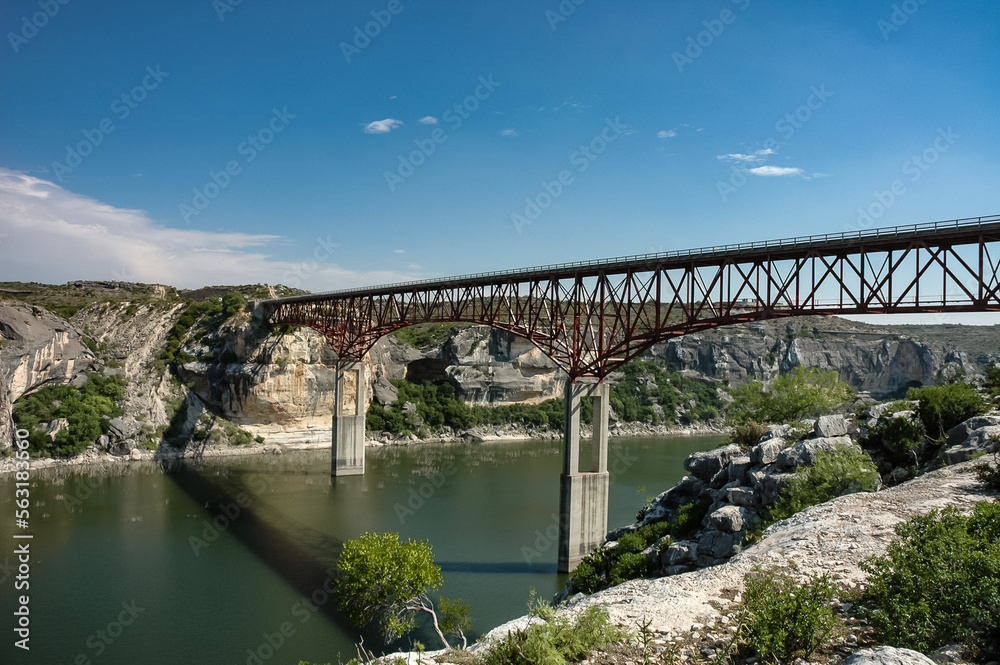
(695,586)
(692,613)
(693,610)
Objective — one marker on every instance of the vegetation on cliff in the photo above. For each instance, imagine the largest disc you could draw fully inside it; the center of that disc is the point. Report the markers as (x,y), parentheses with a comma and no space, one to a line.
(844,470)
(437,405)
(645,393)
(86,410)
(199,319)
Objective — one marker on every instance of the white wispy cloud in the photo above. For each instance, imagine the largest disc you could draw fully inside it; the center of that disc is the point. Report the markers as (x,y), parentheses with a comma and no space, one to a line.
(53,235)
(382,126)
(399,251)
(775,171)
(428,120)
(509,132)
(671,133)
(752,157)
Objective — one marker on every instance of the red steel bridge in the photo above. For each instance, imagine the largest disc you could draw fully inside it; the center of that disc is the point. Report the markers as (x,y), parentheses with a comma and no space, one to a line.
(591,317)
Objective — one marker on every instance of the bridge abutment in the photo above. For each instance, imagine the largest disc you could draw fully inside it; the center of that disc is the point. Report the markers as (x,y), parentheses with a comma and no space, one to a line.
(348,454)
(583,495)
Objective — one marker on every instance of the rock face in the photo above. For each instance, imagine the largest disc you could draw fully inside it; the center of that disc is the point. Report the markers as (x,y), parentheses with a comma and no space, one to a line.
(887,656)
(881,363)
(492,366)
(135,335)
(36,348)
(279,387)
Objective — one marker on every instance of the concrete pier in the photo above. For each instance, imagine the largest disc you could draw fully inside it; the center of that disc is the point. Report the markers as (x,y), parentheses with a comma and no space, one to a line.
(348,454)
(583,496)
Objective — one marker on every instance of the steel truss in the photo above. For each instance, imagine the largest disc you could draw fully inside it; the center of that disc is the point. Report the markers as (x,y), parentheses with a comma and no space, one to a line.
(589,318)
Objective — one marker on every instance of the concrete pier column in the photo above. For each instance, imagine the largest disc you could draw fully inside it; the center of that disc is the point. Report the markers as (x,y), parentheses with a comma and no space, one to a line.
(583,496)
(348,454)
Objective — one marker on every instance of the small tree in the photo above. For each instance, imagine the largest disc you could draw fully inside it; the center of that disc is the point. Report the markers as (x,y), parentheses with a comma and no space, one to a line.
(942,407)
(801,393)
(991,382)
(386,582)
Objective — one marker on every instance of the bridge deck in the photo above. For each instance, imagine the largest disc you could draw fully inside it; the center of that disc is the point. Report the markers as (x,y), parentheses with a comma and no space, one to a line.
(899,237)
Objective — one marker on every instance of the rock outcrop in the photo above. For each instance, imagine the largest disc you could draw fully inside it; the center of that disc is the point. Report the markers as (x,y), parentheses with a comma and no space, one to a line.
(491,366)
(732,489)
(878,361)
(887,656)
(37,348)
(279,387)
(694,610)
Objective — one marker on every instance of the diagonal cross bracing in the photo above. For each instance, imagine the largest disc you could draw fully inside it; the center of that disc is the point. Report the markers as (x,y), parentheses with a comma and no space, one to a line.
(591,317)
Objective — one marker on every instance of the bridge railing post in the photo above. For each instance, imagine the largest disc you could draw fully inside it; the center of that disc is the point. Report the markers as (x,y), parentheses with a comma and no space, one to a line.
(348,450)
(583,496)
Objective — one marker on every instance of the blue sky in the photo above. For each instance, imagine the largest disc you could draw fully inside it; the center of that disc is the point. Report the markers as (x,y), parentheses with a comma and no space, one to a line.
(670,125)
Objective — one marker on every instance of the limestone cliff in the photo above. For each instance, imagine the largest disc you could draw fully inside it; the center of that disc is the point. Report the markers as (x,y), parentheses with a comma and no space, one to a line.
(872,359)
(277,386)
(36,348)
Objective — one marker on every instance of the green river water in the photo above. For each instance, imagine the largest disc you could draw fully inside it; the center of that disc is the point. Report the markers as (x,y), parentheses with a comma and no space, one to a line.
(127,568)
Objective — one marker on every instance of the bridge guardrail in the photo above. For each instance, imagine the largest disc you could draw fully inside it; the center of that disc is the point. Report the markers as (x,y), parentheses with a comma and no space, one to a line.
(715,250)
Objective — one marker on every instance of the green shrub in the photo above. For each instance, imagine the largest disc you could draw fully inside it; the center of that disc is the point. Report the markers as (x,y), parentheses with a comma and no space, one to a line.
(942,407)
(939,582)
(236,434)
(747,434)
(991,382)
(85,408)
(844,470)
(989,474)
(902,436)
(632,542)
(787,619)
(689,518)
(604,568)
(557,640)
(801,393)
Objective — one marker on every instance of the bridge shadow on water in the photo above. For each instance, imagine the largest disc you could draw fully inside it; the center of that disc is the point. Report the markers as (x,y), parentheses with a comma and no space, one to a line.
(301,556)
